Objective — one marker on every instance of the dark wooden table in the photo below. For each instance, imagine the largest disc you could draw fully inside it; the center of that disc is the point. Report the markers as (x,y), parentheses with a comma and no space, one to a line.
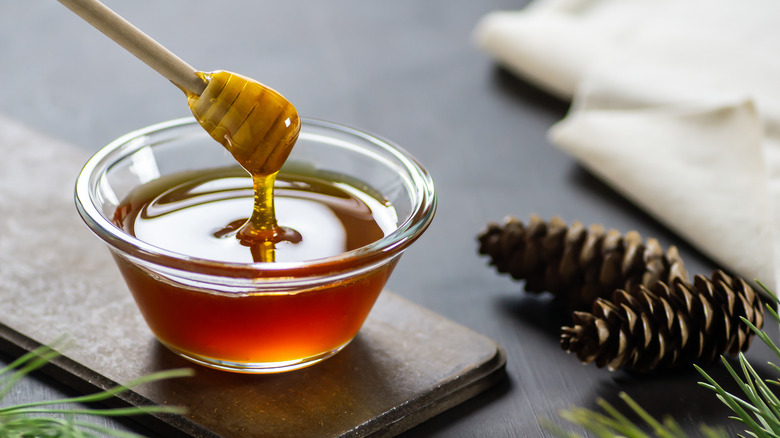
(406,70)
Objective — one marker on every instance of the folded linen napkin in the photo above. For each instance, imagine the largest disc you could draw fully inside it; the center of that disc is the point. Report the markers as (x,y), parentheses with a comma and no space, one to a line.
(675,104)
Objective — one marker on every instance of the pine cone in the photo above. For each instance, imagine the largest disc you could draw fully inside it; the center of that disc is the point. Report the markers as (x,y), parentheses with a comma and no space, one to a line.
(576,264)
(666,326)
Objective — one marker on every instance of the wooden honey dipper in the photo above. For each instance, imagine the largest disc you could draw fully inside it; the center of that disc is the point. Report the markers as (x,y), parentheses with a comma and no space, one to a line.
(256,124)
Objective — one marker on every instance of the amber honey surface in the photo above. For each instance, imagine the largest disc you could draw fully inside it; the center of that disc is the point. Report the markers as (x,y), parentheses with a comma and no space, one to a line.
(198,214)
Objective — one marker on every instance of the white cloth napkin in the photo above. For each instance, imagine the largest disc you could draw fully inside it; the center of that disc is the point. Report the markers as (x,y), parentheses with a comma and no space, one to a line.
(675,104)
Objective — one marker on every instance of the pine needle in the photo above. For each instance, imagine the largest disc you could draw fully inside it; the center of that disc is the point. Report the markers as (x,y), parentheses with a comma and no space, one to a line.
(613,424)
(35,420)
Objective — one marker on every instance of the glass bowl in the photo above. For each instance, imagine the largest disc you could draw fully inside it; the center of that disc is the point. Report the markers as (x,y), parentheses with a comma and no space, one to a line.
(254,317)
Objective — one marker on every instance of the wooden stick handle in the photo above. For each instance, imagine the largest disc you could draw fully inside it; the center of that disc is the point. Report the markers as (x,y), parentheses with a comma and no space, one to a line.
(138,43)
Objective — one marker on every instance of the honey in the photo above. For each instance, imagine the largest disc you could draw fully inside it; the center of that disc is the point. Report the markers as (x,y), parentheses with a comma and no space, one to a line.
(198,214)
(255,214)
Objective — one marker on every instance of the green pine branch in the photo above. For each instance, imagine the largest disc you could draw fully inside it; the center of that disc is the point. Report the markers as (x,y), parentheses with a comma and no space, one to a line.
(42,419)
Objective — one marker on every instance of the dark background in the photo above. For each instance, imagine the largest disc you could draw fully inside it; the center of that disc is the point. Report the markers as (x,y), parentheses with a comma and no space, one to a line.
(406,70)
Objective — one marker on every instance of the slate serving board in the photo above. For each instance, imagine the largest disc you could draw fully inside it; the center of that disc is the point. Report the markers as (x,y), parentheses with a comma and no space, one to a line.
(406,365)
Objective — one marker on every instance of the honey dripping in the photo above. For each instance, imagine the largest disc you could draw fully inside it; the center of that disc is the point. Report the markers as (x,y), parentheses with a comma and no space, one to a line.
(259,127)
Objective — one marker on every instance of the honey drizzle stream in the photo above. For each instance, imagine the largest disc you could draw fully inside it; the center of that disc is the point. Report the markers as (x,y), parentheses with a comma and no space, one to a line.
(246,118)
(261,228)
(261,232)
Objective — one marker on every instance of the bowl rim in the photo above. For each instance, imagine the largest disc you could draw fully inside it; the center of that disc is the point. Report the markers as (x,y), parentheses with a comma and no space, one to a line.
(384,249)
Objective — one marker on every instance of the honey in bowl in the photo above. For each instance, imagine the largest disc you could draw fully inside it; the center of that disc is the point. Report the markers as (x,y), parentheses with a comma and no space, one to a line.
(357,201)
(199,214)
